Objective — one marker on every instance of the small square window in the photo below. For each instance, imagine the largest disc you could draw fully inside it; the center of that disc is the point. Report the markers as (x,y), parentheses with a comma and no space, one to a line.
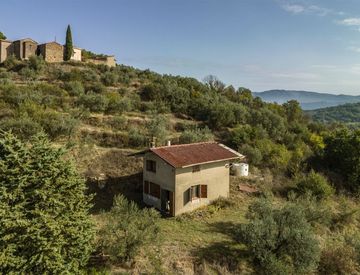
(151,166)
(196,168)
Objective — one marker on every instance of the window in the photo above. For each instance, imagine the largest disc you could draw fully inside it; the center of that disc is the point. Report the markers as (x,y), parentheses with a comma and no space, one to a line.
(146,187)
(151,166)
(196,168)
(195,192)
(154,190)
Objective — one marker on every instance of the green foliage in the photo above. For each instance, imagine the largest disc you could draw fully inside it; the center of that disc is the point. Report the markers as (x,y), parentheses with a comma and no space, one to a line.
(127,229)
(281,241)
(348,113)
(45,227)
(69,48)
(157,128)
(196,135)
(316,184)
(36,63)
(109,78)
(341,154)
(2,36)
(94,102)
(74,88)
(118,123)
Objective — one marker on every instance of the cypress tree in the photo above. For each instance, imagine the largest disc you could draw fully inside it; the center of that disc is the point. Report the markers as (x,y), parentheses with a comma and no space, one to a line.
(69,48)
(45,227)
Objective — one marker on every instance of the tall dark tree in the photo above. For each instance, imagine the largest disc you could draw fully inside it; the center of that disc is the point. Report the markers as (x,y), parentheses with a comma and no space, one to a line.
(45,227)
(69,48)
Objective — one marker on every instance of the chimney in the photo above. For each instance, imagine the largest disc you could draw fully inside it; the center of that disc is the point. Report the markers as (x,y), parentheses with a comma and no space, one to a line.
(168,143)
(153,142)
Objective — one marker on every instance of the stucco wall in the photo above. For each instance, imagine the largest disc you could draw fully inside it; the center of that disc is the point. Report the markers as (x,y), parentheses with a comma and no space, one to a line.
(164,176)
(76,56)
(6,49)
(28,48)
(214,175)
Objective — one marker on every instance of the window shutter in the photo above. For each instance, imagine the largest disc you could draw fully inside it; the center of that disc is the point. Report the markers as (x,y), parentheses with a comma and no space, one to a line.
(146,187)
(203,191)
(186,196)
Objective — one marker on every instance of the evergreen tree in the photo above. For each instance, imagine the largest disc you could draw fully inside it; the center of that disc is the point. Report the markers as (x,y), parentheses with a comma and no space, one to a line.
(45,227)
(69,48)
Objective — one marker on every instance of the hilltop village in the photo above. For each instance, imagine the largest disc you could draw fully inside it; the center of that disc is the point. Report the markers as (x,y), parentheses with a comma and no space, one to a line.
(52,52)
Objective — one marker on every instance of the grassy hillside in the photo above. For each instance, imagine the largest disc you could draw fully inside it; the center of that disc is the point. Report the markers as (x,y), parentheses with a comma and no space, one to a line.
(102,115)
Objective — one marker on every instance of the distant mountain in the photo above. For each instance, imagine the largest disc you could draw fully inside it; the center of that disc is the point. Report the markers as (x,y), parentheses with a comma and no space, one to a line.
(307,100)
(348,113)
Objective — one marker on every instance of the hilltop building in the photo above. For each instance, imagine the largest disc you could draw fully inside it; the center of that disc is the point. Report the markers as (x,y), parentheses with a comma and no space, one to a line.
(51,52)
(181,178)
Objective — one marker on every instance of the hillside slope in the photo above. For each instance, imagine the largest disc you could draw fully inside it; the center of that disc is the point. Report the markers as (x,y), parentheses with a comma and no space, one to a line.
(308,100)
(348,113)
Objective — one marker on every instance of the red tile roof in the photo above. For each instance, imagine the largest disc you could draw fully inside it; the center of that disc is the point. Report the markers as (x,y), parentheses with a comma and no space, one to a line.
(196,153)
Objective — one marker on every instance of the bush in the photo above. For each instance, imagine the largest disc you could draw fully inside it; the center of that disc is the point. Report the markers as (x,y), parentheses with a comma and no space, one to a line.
(45,227)
(281,241)
(36,63)
(157,128)
(316,184)
(136,137)
(109,78)
(94,102)
(74,88)
(118,123)
(338,258)
(196,135)
(57,124)
(23,127)
(127,230)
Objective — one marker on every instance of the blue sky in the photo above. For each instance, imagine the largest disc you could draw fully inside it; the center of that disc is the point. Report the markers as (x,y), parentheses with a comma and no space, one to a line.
(258,44)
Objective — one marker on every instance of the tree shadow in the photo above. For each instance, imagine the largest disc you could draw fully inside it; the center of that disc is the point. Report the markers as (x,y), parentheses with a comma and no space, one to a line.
(230,255)
(105,190)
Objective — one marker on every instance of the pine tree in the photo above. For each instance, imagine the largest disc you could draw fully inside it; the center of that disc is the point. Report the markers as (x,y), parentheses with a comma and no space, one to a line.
(2,36)
(45,227)
(68,44)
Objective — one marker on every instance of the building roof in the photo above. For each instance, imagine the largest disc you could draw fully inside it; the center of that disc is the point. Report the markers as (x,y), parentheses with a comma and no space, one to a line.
(186,155)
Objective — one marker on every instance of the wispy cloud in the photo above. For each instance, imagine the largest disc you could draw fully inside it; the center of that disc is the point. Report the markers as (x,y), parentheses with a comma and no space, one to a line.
(307,9)
(296,75)
(293,8)
(350,21)
(300,8)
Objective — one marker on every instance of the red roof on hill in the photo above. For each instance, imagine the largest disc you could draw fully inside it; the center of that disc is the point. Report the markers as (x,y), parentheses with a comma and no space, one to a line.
(195,153)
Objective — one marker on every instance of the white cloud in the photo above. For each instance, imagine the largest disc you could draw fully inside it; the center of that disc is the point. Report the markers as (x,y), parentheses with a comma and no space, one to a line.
(294,8)
(350,22)
(296,75)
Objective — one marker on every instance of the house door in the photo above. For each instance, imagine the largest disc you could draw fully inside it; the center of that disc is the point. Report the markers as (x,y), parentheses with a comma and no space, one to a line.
(167,202)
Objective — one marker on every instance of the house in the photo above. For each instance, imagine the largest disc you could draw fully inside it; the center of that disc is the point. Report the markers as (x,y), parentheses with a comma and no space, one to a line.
(24,48)
(76,56)
(51,51)
(6,49)
(181,178)
(108,60)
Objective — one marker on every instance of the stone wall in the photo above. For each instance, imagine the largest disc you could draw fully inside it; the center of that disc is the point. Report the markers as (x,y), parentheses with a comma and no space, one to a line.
(108,61)
(52,52)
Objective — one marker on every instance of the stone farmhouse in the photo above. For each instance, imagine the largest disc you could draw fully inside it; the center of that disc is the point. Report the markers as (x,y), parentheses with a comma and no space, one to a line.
(51,52)
(181,178)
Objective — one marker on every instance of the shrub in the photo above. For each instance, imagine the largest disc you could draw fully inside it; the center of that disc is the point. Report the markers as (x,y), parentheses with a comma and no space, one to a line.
(11,62)
(196,135)
(127,229)
(36,63)
(23,127)
(57,124)
(316,184)
(281,241)
(74,88)
(45,227)
(118,123)
(338,258)
(109,78)
(136,137)
(94,102)
(157,128)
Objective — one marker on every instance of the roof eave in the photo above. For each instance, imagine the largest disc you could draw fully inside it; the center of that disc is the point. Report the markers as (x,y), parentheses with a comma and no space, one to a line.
(213,161)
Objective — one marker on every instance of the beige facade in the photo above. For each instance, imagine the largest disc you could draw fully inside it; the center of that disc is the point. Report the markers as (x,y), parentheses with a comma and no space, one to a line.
(52,52)
(6,49)
(76,56)
(107,60)
(185,188)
